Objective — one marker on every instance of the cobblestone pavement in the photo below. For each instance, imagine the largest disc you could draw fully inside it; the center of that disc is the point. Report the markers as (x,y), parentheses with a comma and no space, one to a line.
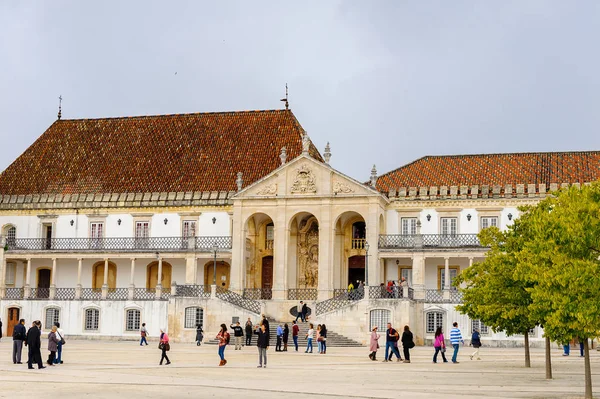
(105,369)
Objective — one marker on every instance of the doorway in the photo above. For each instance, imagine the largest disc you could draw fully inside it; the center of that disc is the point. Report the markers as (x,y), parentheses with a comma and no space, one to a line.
(48,235)
(43,283)
(13,320)
(356,269)
(267,277)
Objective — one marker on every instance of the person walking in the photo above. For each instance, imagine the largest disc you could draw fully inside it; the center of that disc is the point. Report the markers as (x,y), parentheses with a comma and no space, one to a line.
(407,343)
(238,335)
(309,338)
(475,343)
(34,345)
(286,335)
(318,337)
(19,335)
(391,339)
(199,335)
(52,345)
(455,339)
(61,342)
(223,337)
(374,344)
(566,349)
(263,345)
(439,344)
(143,334)
(249,332)
(299,314)
(164,347)
(279,338)
(323,339)
(304,312)
(295,332)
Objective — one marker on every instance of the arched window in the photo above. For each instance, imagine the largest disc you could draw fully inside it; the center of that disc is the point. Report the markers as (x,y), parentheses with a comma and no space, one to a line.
(194,317)
(133,320)
(11,235)
(92,319)
(380,318)
(52,316)
(434,320)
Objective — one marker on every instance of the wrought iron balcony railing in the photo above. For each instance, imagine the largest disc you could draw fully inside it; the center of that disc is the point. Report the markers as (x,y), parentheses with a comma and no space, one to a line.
(257,293)
(306,294)
(428,241)
(122,244)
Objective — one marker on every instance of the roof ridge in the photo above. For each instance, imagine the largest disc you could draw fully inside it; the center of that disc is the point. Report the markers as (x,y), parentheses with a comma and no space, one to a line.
(182,114)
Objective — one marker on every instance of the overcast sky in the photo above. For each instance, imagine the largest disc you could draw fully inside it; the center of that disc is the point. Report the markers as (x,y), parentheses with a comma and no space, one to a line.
(385,82)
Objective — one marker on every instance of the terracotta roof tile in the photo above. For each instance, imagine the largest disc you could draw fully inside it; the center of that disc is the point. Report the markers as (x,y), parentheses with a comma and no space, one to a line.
(495,169)
(167,153)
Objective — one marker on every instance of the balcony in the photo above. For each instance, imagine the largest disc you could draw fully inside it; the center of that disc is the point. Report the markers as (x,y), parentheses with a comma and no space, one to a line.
(121,244)
(428,241)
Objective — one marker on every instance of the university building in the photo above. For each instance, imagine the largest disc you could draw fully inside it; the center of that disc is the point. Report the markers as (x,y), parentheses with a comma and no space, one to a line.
(180,220)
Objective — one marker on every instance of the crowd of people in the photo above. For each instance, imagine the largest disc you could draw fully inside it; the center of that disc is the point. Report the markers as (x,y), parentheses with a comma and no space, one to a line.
(32,339)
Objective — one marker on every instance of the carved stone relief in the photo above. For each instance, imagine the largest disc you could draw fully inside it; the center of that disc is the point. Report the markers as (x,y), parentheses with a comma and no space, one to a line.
(339,187)
(304,181)
(308,255)
(270,189)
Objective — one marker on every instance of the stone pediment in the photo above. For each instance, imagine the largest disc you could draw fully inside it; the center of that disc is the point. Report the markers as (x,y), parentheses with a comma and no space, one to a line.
(305,177)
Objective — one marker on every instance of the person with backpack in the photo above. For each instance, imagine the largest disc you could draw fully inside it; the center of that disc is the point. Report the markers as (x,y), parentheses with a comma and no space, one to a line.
(439,344)
(223,337)
(199,335)
(475,343)
(391,340)
(407,343)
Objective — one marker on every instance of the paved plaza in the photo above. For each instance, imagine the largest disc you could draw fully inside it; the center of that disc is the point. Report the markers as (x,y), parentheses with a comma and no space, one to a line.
(105,369)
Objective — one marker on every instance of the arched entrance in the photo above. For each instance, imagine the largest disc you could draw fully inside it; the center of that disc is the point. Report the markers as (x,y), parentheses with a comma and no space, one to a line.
(223,270)
(260,242)
(303,252)
(98,275)
(356,269)
(152,275)
(12,320)
(349,249)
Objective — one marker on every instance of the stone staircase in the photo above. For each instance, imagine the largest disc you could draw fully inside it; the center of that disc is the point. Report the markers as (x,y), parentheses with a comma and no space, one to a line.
(334,340)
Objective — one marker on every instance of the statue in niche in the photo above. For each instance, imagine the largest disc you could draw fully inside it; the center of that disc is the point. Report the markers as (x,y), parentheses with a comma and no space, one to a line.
(308,255)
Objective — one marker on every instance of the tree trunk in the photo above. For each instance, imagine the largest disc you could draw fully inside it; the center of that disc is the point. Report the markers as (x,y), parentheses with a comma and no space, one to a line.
(548,360)
(527,354)
(588,370)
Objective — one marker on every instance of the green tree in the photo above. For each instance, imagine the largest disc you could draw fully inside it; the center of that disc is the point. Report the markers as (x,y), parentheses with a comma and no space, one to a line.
(563,254)
(493,290)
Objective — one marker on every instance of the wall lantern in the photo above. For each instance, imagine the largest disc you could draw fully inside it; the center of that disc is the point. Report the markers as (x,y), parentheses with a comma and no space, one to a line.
(214,220)
(166,220)
(428,217)
(72,222)
(119,222)
(469,217)
(510,216)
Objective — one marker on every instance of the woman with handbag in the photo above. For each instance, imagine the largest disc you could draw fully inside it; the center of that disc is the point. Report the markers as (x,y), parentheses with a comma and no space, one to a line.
(144,335)
(323,339)
(407,343)
(374,345)
(164,346)
(223,337)
(61,342)
(439,345)
(52,346)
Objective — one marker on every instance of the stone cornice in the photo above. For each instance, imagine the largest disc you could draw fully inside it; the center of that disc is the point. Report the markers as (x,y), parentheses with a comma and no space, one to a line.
(468,203)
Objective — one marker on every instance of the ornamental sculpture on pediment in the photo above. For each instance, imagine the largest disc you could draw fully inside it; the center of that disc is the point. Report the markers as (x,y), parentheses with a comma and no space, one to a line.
(304,182)
(269,189)
(339,187)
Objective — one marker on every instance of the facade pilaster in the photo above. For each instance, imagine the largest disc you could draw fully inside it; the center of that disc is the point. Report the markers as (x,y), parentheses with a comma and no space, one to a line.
(159,279)
(191,267)
(326,239)
(131,292)
(238,251)
(418,275)
(105,281)
(279,253)
(53,279)
(27,286)
(78,286)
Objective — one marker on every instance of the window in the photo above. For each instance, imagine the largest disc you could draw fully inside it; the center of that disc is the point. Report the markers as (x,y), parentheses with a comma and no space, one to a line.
(409,226)
(442,276)
(52,316)
(380,318)
(11,272)
(133,320)
(193,317)
(189,228)
(448,226)
(434,320)
(96,234)
(270,235)
(489,222)
(477,324)
(142,232)
(11,236)
(92,319)
(406,272)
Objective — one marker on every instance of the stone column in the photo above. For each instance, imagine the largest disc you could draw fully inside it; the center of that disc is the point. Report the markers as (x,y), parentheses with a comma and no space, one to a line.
(191,266)
(373,239)
(418,275)
(131,292)
(279,254)
(446,286)
(27,287)
(78,287)
(326,240)
(159,279)
(238,252)
(105,281)
(53,279)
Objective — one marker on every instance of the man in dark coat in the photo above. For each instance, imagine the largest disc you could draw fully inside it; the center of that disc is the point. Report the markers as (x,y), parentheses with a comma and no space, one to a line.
(19,335)
(34,345)
(304,312)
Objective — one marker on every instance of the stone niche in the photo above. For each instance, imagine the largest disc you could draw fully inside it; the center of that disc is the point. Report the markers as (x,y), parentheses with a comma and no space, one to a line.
(308,253)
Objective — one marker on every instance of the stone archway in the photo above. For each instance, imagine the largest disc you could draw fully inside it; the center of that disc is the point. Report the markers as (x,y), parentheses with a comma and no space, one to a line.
(98,275)
(152,275)
(349,249)
(259,244)
(223,274)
